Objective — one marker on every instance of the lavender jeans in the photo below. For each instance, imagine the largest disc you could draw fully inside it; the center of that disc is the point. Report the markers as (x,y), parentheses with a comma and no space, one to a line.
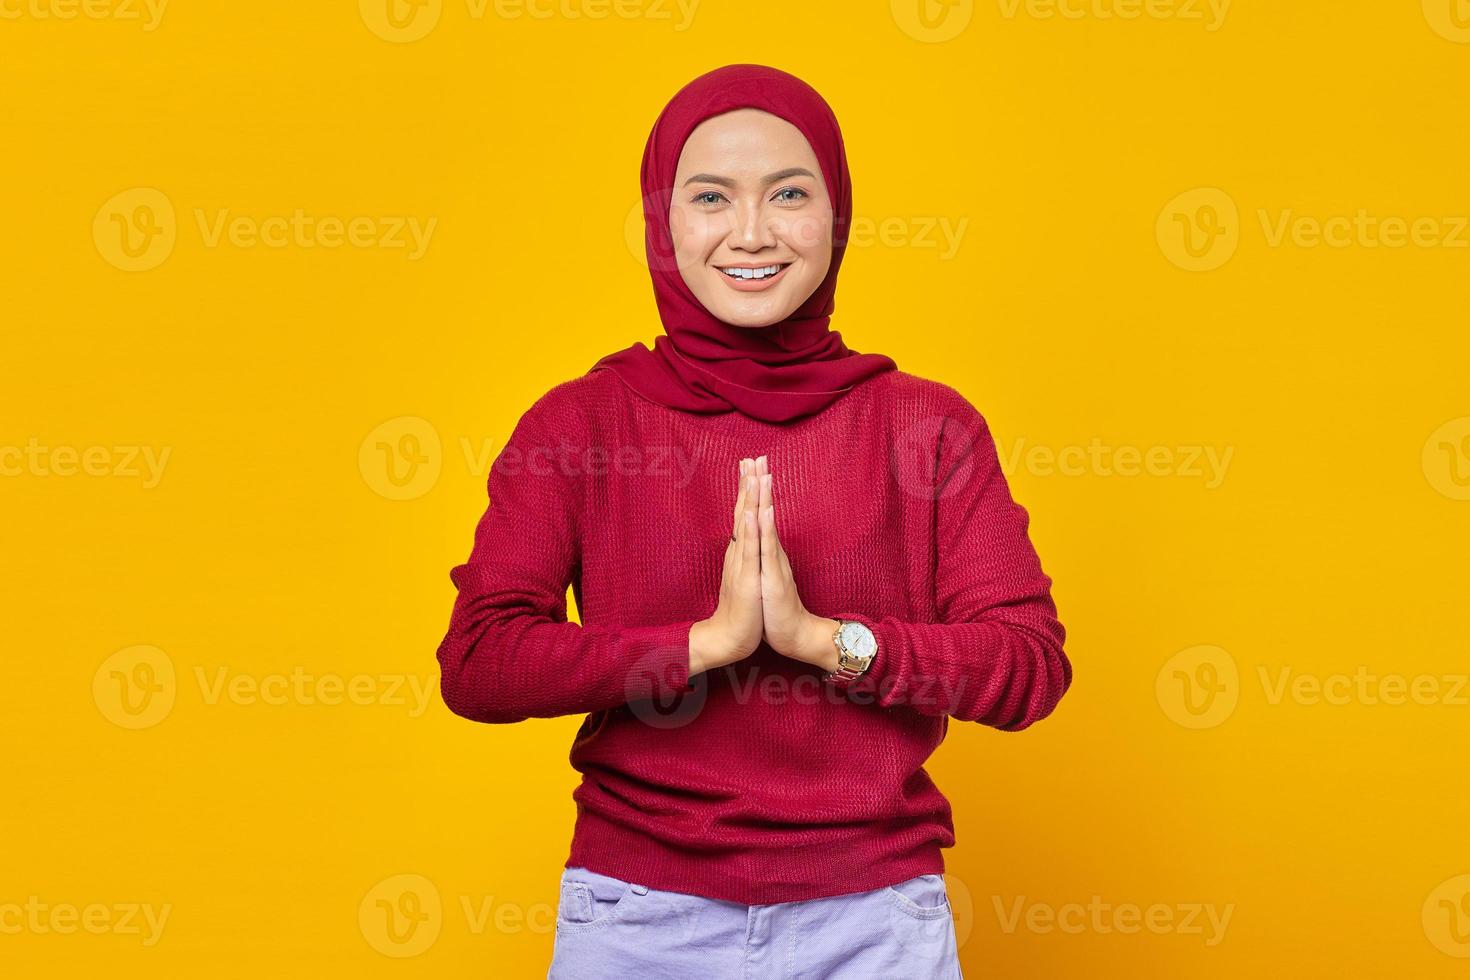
(607,927)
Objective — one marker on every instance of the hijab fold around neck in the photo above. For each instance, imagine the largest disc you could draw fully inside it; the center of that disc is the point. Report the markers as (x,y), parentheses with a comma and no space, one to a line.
(701,364)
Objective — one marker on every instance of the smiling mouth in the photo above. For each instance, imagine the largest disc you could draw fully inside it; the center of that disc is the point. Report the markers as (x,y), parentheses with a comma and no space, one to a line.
(753,273)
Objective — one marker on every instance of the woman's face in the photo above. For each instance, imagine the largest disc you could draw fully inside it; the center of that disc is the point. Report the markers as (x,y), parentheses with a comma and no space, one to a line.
(749,195)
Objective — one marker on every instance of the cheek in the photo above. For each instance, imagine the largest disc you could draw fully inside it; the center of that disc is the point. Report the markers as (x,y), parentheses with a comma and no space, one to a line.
(680,229)
(695,232)
(809,234)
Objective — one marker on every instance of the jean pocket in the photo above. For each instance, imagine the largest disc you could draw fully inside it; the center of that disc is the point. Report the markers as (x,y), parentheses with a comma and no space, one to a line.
(590,900)
(923,897)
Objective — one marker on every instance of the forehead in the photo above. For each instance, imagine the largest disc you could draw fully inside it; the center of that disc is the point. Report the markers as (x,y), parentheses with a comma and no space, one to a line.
(746,140)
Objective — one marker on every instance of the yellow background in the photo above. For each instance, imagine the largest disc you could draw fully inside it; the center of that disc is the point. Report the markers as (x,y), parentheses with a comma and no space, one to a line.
(1073,152)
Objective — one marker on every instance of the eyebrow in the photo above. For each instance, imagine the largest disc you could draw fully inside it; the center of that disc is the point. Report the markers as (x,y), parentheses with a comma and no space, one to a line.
(768,179)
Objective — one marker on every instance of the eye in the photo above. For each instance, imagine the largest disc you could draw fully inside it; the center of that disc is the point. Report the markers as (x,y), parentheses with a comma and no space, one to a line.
(798,193)
(708,197)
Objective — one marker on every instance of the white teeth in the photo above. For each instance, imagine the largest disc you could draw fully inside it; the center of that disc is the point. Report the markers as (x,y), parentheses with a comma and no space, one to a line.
(769,270)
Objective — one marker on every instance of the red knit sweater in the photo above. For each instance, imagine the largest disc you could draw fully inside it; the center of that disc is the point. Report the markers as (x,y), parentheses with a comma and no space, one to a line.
(762,781)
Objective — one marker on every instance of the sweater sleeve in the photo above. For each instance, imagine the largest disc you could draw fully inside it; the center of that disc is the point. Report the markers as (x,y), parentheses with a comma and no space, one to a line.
(510,653)
(995,656)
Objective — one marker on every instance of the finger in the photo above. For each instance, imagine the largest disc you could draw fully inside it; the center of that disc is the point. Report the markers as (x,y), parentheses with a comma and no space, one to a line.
(750,544)
(770,546)
(781,555)
(745,529)
(770,553)
(752,495)
(776,550)
(735,520)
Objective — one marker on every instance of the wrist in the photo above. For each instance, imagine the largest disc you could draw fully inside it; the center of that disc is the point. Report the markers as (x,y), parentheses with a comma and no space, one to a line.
(820,649)
(700,656)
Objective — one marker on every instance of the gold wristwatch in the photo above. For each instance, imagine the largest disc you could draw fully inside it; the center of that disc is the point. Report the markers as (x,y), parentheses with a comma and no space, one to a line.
(856,648)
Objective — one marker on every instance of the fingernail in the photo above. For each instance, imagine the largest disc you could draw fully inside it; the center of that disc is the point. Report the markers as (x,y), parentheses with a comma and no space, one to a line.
(760,459)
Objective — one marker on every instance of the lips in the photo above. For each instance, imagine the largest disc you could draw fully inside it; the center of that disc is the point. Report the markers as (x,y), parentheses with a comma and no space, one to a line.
(747,279)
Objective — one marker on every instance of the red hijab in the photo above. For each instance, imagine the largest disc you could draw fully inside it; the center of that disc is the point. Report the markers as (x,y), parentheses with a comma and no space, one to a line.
(701,364)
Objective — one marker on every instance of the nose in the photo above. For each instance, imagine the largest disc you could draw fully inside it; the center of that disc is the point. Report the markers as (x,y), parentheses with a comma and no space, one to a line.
(750,228)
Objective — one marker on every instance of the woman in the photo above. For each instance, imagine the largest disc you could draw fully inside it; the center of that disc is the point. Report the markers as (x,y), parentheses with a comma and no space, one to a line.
(762,688)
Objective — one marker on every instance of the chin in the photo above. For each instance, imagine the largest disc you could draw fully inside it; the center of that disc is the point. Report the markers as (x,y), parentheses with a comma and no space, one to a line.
(749,310)
(752,320)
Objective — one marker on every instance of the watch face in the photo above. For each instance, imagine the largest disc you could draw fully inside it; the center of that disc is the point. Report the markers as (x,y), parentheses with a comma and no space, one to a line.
(858,640)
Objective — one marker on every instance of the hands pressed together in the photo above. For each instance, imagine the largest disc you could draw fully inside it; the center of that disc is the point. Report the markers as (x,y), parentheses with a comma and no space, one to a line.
(758,598)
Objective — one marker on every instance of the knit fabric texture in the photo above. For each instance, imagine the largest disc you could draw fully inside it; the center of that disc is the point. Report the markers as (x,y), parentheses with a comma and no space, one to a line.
(763,781)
